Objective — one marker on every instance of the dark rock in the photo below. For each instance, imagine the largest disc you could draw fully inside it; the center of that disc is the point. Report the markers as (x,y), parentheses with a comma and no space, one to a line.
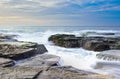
(95,43)
(6,62)
(64,40)
(96,46)
(69,42)
(7,37)
(20,50)
(105,33)
(40,49)
(58,36)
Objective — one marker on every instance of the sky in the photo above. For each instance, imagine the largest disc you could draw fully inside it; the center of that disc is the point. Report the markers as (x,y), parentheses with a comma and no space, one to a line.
(60,12)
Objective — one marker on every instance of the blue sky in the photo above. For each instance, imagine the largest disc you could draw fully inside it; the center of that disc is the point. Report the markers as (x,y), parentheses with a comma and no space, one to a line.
(60,12)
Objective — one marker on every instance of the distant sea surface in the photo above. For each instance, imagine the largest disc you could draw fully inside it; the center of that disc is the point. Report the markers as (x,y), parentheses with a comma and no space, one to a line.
(59,28)
(76,57)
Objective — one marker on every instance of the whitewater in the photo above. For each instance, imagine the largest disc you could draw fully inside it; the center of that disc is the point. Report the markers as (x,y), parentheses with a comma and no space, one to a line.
(76,57)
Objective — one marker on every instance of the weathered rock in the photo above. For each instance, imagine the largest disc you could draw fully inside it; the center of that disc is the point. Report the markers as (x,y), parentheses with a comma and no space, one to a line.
(95,43)
(64,40)
(58,36)
(41,60)
(68,73)
(7,37)
(20,73)
(47,73)
(109,55)
(6,62)
(96,46)
(69,42)
(20,50)
(40,49)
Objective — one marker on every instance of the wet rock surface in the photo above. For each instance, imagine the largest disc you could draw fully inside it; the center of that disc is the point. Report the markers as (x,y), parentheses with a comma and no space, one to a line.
(7,37)
(6,62)
(95,43)
(109,55)
(96,46)
(20,50)
(44,67)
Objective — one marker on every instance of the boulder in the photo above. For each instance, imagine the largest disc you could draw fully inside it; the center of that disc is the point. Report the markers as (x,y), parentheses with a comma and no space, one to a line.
(96,45)
(64,40)
(58,36)
(41,60)
(110,55)
(20,50)
(6,62)
(70,42)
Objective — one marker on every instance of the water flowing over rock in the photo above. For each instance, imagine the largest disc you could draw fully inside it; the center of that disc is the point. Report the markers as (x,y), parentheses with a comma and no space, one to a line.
(7,37)
(111,55)
(39,65)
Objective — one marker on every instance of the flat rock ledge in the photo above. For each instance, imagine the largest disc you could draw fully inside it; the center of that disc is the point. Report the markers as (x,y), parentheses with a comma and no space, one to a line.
(41,60)
(94,43)
(20,50)
(47,73)
(6,62)
(19,73)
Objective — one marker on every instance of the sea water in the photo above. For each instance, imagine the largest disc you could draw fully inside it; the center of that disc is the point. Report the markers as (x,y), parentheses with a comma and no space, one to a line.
(76,57)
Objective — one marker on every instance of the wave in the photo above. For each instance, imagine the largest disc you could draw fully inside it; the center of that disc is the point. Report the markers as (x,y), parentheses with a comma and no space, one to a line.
(76,57)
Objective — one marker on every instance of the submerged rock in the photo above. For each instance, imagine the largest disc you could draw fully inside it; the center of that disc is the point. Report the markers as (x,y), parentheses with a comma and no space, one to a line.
(110,55)
(6,62)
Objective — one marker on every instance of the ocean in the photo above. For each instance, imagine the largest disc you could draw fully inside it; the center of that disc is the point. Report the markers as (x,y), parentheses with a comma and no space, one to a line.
(76,57)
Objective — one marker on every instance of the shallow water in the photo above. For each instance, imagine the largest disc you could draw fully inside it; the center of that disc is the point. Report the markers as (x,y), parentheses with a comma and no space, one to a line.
(76,57)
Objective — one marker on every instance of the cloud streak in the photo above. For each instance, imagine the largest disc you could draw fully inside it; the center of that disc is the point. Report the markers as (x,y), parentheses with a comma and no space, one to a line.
(49,11)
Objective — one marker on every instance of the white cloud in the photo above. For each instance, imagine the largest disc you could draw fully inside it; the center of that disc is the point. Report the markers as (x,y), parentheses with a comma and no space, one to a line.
(51,10)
